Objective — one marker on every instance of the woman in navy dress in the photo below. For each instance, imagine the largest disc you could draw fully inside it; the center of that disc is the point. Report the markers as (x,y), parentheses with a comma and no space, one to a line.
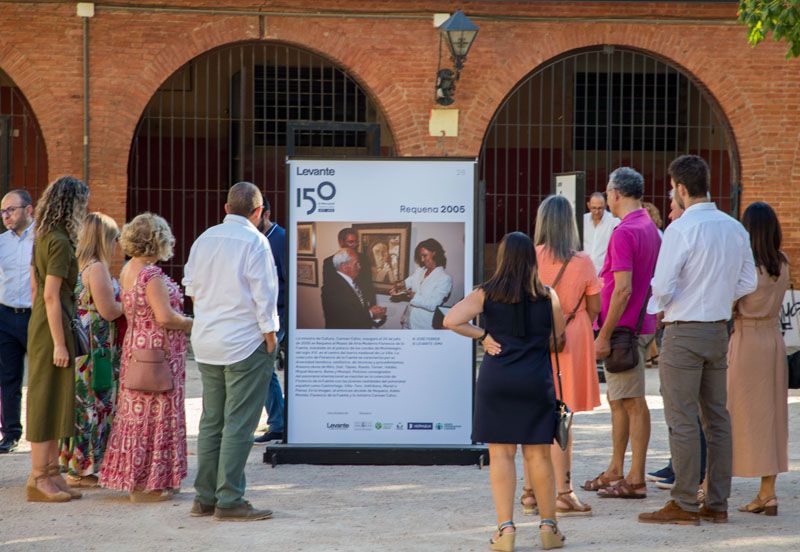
(515,401)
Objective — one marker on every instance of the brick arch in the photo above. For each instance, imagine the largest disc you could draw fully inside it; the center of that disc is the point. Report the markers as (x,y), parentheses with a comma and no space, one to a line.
(734,107)
(48,117)
(201,42)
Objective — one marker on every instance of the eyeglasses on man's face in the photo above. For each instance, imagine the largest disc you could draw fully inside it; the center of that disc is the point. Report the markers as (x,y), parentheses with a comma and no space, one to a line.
(8,211)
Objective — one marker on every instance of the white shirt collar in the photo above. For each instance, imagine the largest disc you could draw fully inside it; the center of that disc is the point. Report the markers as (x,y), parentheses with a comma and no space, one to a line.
(237,219)
(705,206)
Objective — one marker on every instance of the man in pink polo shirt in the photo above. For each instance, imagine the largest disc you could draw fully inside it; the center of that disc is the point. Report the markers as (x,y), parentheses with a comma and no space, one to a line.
(626,274)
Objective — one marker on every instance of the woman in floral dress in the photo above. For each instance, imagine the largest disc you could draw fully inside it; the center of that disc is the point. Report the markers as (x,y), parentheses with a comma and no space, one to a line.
(95,393)
(146,454)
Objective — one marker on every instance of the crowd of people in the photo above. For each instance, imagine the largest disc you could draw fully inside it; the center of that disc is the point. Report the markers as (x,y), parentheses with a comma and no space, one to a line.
(708,286)
(107,356)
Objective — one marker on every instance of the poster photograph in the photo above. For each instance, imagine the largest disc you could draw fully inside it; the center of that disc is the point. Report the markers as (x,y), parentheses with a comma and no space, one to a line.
(389,275)
(381,249)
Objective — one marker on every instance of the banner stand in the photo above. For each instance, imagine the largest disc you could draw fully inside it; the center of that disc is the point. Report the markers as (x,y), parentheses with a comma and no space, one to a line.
(366,455)
(347,382)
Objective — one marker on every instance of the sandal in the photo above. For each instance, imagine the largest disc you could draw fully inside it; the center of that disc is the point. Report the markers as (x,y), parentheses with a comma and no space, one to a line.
(600,482)
(504,541)
(574,506)
(623,489)
(529,507)
(551,536)
(768,506)
(82,481)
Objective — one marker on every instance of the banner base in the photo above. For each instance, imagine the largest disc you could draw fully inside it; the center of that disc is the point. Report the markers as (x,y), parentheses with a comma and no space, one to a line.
(391,455)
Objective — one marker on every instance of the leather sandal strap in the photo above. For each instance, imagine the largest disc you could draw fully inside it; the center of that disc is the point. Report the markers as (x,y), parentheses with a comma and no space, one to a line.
(549,522)
(505,525)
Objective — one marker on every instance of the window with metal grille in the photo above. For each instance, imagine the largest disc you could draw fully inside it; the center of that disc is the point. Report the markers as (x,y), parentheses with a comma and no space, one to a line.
(643,109)
(283,94)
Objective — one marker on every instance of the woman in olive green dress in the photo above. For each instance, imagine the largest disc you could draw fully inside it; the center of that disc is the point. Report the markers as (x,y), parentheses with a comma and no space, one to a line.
(51,346)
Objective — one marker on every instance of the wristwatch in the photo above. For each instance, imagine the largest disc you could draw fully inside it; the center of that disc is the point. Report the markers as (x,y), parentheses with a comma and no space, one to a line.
(481,338)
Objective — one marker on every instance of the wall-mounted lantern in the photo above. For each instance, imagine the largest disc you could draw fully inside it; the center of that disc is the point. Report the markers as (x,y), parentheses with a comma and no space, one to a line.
(458,32)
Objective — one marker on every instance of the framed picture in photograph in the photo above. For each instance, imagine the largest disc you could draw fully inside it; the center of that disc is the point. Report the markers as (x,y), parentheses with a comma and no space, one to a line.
(307,272)
(306,239)
(385,245)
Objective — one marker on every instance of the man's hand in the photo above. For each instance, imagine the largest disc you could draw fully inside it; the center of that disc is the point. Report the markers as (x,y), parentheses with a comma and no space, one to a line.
(377,312)
(602,347)
(271,340)
(660,320)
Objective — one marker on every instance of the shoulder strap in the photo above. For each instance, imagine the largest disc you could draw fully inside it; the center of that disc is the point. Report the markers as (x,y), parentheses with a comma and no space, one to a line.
(561,272)
(572,314)
(643,311)
(136,287)
(555,353)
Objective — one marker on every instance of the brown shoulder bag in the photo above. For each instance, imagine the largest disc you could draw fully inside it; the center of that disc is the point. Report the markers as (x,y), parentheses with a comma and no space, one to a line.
(148,370)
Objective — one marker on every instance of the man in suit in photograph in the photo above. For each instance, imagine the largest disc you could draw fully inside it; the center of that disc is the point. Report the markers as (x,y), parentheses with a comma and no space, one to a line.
(344,303)
(348,239)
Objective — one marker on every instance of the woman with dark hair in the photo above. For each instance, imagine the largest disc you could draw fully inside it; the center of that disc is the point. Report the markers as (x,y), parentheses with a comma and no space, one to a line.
(51,346)
(515,402)
(427,288)
(757,371)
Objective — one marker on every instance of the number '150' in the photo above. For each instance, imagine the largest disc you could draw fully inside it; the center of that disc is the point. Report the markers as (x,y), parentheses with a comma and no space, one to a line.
(325,191)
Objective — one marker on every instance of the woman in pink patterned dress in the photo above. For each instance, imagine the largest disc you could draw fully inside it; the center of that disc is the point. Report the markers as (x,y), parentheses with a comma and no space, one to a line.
(146,453)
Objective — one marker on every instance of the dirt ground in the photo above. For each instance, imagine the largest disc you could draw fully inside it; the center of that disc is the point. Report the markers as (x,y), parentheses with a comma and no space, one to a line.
(338,508)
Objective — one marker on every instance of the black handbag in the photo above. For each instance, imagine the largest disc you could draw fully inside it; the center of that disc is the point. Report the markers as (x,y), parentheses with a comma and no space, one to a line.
(563,412)
(794,370)
(625,345)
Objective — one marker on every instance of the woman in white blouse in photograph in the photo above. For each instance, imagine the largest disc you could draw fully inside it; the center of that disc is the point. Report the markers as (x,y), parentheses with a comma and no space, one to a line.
(427,288)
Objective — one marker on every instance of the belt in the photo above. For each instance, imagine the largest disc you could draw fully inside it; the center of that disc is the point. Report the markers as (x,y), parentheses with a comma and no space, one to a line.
(682,322)
(16,310)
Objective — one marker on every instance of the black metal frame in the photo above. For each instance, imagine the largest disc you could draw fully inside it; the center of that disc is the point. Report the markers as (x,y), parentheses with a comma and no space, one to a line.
(373,131)
(463,455)
(200,132)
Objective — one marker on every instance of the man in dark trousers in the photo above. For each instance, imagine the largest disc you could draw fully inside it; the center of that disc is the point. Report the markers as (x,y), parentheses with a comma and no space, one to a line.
(348,239)
(276,235)
(343,302)
(16,248)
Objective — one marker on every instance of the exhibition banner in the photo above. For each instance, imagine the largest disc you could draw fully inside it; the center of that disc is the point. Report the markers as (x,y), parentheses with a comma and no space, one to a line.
(380,249)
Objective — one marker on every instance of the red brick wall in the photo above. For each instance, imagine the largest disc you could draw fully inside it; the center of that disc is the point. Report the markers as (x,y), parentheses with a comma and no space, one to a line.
(395,59)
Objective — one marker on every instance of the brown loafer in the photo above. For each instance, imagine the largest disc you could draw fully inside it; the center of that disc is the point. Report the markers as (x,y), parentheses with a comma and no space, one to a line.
(672,514)
(712,515)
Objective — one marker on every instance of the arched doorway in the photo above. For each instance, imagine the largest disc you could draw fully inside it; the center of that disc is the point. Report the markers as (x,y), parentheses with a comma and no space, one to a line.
(23,157)
(593,110)
(234,113)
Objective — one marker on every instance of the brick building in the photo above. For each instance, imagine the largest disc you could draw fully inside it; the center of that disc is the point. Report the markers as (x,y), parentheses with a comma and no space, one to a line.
(184,97)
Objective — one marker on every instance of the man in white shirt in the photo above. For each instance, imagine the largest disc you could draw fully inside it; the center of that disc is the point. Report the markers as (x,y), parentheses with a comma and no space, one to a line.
(705,265)
(232,279)
(598,224)
(16,248)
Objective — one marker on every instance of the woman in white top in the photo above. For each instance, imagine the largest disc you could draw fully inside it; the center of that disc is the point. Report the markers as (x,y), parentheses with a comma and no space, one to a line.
(427,288)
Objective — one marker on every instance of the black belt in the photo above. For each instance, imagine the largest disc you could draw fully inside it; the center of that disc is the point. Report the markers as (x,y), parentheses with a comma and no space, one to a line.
(680,322)
(16,310)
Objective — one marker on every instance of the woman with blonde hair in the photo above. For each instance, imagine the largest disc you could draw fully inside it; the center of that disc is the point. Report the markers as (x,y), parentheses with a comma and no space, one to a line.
(146,454)
(51,346)
(572,274)
(96,373)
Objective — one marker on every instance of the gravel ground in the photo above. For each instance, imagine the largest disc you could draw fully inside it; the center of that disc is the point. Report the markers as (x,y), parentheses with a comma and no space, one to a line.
(441,508)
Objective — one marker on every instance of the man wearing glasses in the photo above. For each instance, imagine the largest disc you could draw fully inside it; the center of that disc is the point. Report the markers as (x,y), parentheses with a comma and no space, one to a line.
(16,248)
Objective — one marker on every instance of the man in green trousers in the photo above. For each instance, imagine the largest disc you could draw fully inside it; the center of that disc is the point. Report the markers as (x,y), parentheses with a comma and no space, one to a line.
(233,282)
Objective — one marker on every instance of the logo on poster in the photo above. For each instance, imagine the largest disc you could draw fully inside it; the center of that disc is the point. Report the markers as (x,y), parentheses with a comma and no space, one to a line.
(420,425)
(338,426)
(319,198)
